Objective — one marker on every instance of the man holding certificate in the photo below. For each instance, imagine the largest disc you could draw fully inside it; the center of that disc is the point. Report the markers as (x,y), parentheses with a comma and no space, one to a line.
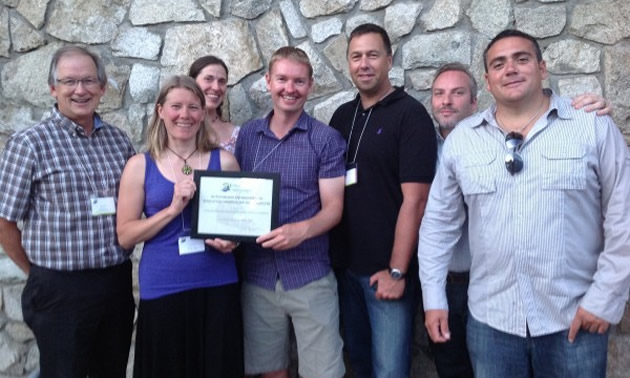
(287,272)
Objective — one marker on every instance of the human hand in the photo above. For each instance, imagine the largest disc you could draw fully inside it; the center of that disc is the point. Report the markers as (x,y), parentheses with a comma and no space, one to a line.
(387,288)
(284,237)
(588,322)
(436,322)
(183,192)
(221,245)
(591,102)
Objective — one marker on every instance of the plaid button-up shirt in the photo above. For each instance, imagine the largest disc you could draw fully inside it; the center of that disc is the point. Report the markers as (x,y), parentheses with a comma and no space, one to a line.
(49,174)
(311,151)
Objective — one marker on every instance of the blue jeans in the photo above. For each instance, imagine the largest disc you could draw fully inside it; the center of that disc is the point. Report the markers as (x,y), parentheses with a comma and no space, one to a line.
(451,358)
(377,334)
(496,354)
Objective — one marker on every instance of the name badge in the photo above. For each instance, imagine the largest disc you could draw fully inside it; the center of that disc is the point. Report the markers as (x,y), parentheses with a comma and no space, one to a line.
(103,206)
(352,174)
(188,245)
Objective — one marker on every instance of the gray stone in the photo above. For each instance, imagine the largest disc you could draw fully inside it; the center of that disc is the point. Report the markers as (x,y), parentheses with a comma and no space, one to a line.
(10,3)
(249,9)
(541,22)
(361,18)
(143,12)
(271,33)
(543,1)
(143,82)
(572,87)
(421,79)
(183,44)
(5,38)
(11,361)
(118,76)
(401,18)
(618,352)
(23,36)
(34,11)
(259,93)
(397,76)
(19,331)
(335,51)
(324,29)
(86,21)
(119,118)
(420,50)
(489,17)
(240,109)
(617,83)
(370,5)
(138,118)
(570,56)
(12,296)
(324,79)
(603,21)
(325,109)
(624,325)
(32,358)
(443,14)
(26,77)
(212,6)
(137,43)
(9,272)
(314,8)
(292,18)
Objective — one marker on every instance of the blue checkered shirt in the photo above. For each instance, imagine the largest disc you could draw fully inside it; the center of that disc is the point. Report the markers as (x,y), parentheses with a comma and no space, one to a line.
(48,176)
(309,152)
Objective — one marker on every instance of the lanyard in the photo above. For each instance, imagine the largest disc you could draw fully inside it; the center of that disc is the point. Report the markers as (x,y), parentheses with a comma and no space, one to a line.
(256,165)
(85,172)
(356,151)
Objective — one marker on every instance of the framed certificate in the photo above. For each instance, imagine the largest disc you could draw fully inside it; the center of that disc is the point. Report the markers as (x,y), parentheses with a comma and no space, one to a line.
(238,206)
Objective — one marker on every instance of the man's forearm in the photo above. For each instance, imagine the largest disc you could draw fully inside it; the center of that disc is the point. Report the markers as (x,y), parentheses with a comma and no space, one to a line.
(11,241)
(408,224)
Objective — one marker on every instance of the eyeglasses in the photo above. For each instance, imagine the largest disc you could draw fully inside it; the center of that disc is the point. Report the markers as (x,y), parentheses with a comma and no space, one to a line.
(89,82)
(513,160)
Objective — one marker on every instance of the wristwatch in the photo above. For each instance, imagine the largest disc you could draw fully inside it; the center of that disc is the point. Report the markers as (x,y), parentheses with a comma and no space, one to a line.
(396,274)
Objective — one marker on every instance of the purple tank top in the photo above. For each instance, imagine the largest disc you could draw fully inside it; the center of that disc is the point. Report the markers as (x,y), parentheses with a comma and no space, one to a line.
(162,270)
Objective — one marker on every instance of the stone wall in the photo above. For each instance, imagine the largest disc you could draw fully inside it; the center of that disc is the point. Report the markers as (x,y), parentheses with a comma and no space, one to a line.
(586,45)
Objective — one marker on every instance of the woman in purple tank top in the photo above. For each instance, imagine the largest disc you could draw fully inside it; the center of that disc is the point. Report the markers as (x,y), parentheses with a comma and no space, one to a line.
(189,319)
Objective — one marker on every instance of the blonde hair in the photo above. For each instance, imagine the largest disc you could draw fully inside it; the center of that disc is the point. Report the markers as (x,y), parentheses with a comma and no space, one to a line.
(157,138)
(294,54)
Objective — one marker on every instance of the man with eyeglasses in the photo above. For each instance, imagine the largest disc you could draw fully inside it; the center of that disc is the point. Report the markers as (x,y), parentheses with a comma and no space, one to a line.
(546,189)
(59,180)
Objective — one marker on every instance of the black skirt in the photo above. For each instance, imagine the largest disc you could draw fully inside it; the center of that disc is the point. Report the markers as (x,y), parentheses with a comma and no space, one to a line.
(194,334)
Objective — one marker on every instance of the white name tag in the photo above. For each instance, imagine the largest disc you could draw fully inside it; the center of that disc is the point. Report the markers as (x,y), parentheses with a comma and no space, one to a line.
(188,245)
(103,206)
(351,175)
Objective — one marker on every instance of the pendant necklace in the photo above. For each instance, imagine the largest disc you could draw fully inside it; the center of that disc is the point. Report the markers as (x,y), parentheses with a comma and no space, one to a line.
(186,169)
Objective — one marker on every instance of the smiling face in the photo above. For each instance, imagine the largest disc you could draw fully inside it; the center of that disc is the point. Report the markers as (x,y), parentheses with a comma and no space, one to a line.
(289,83)
(369,64)
(212,80)
(451,99)
(514,74)
(182,114)
(78,102)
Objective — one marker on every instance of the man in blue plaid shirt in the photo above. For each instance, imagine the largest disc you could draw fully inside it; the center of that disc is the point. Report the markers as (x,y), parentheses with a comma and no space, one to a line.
(59,179)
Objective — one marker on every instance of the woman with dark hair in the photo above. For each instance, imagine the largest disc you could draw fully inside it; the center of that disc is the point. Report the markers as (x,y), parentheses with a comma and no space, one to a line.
(189,322)
(211,74)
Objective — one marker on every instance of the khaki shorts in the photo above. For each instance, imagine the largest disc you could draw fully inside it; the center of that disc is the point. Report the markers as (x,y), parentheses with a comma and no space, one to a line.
(314,311)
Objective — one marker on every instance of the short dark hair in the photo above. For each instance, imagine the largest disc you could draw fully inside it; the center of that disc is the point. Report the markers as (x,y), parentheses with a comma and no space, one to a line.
(507,33)
(455,66)
(200,63)
(76,50)
(372,28)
